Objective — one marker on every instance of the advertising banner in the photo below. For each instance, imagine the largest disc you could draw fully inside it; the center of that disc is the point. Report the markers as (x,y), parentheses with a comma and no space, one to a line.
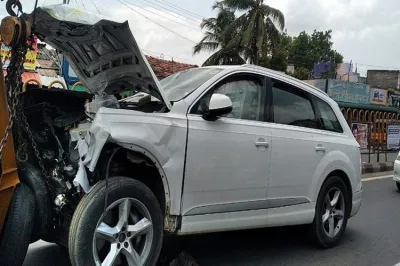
(26,75)
(344,91)
(360,133)
(343,70)
(393,137)
(393,99)
(378,96)
(30,60)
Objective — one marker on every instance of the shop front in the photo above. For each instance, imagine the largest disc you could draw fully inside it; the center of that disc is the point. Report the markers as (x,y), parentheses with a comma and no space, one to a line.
(366,112)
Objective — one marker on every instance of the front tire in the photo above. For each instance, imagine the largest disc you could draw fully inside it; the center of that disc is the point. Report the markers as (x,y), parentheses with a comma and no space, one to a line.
(331,213)
(398,186)
(129,233)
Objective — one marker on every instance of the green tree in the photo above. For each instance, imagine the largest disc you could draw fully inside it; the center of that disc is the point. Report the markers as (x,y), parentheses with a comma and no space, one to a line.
(301,73)
(276,56)
(217,37)
(299,51)
(306,50)
(258,27)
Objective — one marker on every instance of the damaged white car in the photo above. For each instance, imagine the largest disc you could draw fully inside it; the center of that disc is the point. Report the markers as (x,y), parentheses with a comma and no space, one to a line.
(204,150)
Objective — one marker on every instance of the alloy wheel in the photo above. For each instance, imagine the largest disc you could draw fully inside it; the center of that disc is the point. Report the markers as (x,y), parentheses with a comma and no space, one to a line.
(123,235)
(333,211)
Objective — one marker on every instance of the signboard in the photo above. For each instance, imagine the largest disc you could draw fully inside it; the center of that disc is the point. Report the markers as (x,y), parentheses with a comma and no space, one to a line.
(378,96)
(26,75)
(393,99)
(343,70)
(349,92)
(393,137)
(30,59)
(360,133)
(320,68)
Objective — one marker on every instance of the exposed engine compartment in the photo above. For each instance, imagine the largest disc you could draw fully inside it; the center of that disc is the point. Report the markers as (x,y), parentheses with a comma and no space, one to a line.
(56,118)
(48,125)
(45,139)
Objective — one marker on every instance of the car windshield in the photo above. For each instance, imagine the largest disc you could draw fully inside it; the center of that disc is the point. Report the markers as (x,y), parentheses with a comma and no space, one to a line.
(181,84)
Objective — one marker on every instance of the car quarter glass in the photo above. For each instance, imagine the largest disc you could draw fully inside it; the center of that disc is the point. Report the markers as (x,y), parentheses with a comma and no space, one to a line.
(328,118)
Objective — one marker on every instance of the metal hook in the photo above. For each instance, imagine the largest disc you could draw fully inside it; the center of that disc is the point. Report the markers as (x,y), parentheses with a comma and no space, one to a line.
(12,4)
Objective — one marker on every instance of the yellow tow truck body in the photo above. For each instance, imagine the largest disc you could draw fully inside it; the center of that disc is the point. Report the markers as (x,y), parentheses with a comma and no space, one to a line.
(9,175)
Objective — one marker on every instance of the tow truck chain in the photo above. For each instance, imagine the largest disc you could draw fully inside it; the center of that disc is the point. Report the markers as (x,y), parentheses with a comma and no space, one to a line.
(13,84)
(25,125)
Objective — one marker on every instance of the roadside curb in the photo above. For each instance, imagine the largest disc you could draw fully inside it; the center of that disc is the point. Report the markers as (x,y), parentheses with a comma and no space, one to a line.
(368,168)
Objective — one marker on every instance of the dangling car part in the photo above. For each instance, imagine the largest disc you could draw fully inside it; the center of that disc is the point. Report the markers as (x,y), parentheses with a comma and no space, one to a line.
(102,53)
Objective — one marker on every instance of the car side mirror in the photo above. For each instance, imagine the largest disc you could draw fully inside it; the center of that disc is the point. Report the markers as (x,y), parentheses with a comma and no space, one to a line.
(219,105)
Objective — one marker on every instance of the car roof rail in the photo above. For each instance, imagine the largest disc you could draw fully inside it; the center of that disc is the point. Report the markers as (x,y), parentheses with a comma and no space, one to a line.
(284,74)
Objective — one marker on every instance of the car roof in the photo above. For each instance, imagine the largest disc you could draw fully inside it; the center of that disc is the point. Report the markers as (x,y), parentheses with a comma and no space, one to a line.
(275,73)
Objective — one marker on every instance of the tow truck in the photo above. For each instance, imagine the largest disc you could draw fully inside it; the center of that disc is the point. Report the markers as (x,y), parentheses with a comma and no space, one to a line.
(42,131)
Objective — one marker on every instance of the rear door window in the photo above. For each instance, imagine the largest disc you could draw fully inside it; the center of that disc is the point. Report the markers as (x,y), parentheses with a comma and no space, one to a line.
(293,106)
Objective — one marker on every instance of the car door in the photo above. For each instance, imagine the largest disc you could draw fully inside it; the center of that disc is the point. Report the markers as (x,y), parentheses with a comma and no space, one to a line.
(294,154)
(227,161)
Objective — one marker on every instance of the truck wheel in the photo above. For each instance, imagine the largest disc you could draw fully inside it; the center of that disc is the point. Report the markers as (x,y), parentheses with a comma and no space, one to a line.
(331,213)
(130,232)
(18,227)
(398,186)
(33,178)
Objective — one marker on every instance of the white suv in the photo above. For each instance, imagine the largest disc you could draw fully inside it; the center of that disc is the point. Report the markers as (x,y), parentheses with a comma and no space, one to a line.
(212,149)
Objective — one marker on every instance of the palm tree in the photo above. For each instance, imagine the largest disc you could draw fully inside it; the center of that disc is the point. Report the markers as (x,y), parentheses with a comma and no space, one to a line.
(217,37)
(259,27)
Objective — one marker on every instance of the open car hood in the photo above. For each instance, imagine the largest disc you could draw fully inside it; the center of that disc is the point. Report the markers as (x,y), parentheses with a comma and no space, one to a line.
(103,53)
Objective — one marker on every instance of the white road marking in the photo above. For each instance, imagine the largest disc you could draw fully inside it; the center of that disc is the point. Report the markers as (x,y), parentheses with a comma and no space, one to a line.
(376,178)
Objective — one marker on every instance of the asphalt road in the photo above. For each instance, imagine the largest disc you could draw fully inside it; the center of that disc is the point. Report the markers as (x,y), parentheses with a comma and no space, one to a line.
(372,238)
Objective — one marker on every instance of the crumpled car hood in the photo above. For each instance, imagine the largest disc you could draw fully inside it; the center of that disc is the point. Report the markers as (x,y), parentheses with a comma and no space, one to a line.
(103,53)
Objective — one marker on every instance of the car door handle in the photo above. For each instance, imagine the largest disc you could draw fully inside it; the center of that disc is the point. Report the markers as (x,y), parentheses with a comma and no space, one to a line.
(320,148)
(261,144)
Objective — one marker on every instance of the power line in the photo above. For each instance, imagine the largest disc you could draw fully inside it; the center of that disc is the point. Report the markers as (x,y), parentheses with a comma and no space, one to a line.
(180,8)
(174,32)
(378,66)
(197,23)
(83,4)
(95,6)
(166,17)
(79,4)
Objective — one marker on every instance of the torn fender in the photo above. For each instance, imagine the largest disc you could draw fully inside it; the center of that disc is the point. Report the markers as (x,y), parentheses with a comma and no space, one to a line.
(159,136)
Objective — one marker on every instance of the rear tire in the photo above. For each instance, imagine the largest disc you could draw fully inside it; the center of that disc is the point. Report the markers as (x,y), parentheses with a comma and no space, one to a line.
(18,226)
(398,186)
(331,213)
(133,224)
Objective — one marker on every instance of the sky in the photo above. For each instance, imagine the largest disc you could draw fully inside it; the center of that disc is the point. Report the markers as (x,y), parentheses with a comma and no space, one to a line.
(366,32)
